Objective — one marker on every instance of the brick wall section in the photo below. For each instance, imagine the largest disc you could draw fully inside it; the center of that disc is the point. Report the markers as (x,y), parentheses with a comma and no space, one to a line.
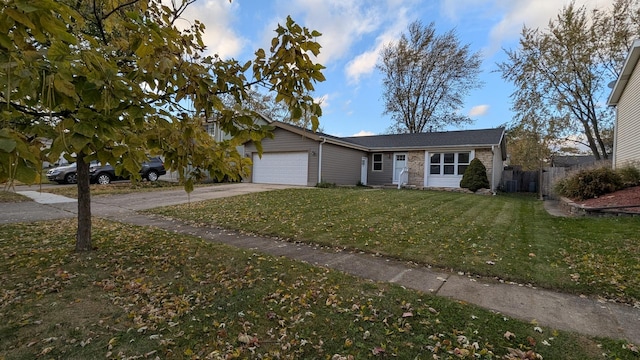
(415,163)
(486,157)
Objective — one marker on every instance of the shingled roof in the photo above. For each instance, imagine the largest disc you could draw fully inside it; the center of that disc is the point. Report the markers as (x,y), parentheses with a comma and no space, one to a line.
(485,137)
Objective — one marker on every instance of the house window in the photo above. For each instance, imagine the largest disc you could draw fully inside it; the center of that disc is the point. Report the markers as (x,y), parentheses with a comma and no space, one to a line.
(377,162)
(449,163)
(211,129)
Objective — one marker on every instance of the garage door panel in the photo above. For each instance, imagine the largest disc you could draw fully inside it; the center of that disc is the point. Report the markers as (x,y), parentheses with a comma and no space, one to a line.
(281,168)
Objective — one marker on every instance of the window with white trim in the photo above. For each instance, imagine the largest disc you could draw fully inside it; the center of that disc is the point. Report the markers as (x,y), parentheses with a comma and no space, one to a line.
(376,164)
(449,163)
(211,129)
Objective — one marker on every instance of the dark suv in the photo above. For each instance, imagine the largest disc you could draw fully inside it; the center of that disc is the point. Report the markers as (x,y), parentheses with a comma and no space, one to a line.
(104,174)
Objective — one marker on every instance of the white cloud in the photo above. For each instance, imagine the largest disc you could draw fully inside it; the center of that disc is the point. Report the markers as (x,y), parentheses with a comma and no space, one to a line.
(363,133)
(508,16)
(323,101)
(342,23)
(365,63)
(218,17)
(479,110)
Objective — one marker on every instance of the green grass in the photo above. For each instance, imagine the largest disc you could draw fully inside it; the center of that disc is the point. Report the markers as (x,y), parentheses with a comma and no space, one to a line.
(11,197)
(121,188)
(131,298)
(118,188)
(511,238)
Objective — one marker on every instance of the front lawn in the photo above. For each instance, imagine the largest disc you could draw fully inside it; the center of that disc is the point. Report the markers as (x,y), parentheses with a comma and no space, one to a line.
(123,187)
(507,237)
(11,197)
(131,298)
(117,188)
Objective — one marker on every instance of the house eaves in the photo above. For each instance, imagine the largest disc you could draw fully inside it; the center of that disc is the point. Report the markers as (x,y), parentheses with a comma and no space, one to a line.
(625,74)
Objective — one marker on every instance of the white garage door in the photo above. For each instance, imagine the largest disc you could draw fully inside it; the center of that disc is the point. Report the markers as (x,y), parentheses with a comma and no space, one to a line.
(281,168)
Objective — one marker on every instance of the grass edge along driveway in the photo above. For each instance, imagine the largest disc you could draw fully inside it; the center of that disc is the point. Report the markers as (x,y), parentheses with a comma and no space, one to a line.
(131,298)
(508,237)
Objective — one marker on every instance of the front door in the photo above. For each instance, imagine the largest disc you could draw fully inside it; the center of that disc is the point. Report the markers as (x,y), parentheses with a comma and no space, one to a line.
(363,170)
(399,164)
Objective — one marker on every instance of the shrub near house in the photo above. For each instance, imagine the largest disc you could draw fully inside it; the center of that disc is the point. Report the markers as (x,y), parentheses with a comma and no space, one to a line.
(475,177)
(591,183)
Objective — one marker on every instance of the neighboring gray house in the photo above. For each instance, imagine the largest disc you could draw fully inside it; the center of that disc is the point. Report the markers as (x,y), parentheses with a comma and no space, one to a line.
(625,96)
(572,161)
(298,156)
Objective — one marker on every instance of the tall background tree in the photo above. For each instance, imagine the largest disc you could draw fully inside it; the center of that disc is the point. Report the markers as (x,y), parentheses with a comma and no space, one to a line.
(561,74)
(115,81)
(425,79)
(264,102)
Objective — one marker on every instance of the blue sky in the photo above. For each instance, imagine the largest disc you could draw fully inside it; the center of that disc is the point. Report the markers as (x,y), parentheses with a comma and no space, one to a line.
(355,30)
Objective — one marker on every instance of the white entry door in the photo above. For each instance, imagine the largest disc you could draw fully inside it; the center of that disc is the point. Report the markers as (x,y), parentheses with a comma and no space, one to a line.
(399,163)
(363,170)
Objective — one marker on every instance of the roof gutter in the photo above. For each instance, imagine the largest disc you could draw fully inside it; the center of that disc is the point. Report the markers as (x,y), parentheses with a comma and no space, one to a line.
(625,73)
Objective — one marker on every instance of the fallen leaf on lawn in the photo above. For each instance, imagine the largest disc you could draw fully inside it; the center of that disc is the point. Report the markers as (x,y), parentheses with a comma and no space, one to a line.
(341,357)
(538,329)
(366,335)
(244,338)
(509,335)
(377,350)
(407,314)
(461,353)
(532,255)
(632,348)
(517,354)
(531,341)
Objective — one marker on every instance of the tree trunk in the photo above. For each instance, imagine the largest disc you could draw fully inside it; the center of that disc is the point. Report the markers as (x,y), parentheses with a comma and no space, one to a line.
(603,148)
(83,237)
(590,139)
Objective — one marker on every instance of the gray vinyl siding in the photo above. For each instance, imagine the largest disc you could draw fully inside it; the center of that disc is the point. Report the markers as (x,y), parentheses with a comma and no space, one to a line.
(627,141)
(341,165)
(286,141)
(384,177)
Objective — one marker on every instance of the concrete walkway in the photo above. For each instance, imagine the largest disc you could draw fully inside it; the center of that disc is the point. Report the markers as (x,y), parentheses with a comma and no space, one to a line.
(557,310)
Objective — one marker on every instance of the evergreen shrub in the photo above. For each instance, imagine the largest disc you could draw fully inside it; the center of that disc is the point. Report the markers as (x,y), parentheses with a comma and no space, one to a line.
(475,177)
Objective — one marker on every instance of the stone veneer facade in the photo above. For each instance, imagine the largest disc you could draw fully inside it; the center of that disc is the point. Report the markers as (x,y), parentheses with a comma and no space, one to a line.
(415,162)
(486,157)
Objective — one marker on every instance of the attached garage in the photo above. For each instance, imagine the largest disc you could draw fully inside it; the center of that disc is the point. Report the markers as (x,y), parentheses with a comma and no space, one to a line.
(290,168)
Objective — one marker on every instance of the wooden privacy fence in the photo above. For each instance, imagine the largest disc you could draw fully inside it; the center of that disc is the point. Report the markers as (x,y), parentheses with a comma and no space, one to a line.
(516,180)
(549,178)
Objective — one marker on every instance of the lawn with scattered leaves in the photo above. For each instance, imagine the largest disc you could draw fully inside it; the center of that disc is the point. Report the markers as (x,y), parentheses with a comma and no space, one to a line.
(511,238)
(117,188)
(132,298)
(11,196)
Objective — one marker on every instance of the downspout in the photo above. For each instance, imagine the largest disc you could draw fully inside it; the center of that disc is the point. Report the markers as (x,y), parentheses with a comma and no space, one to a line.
(493,171)
(324,140)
